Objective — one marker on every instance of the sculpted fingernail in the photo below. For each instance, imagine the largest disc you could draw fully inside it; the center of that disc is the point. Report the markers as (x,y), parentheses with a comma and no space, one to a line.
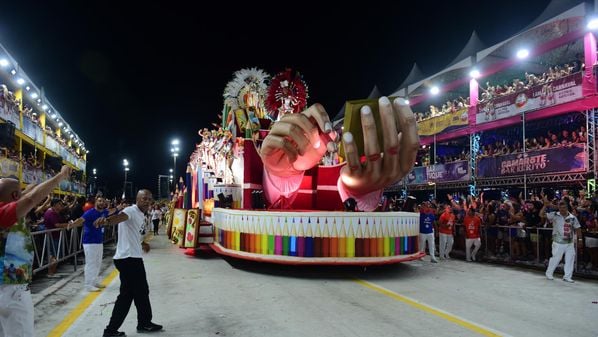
(365,110)
(348,137)
(401,101)
(317,144)
(327,127)
(383,101)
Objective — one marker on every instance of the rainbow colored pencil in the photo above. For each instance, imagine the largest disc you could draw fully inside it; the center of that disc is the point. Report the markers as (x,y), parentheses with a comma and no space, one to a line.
(318,242)
(271,238)
(263,240)
(309,242)
(301,241)
(359,242)
(285,240)
(325,240)
(293,242)
(277,240)
(334,241)
(351,242)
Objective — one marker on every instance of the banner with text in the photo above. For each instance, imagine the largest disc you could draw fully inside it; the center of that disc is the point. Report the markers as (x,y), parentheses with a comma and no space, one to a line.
(439,173)
(417,176)
(559,91)
(455,171)
(436,125)
(560,159)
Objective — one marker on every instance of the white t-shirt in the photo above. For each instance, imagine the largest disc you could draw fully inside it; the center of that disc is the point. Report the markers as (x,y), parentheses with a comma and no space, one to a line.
(156,214)
(562,227)
(130,234)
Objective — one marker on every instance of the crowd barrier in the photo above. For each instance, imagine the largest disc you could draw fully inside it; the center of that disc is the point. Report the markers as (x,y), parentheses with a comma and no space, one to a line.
(67,243)
(498,245)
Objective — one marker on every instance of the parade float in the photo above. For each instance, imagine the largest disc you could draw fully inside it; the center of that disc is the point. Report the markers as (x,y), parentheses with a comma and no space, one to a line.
(222,203)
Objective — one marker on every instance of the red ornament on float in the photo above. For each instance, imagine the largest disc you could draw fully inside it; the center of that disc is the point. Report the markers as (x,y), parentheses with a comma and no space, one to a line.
(287,93)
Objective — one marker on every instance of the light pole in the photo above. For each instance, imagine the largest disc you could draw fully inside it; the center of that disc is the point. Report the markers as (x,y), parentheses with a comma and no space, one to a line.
(95,182)
(126,165)
(174,150)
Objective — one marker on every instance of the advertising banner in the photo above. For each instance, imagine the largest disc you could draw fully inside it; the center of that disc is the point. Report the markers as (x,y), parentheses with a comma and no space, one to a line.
(455,171)
(559,91)
(438,124)
(560,159)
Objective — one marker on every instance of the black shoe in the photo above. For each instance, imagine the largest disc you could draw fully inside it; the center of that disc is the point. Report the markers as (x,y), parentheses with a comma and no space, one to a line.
(108,333)
(150,327)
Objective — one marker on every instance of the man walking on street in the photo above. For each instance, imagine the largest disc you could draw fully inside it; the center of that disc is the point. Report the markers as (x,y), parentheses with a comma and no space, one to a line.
(472,223)
(446,227)
(563,224)
(129,263)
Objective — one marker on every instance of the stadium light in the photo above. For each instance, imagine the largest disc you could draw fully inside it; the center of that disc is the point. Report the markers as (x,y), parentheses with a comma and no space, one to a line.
(522,53)
(593,23)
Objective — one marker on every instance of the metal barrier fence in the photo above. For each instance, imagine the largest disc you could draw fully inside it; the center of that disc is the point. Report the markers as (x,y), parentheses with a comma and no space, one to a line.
(501,243)
(63,243)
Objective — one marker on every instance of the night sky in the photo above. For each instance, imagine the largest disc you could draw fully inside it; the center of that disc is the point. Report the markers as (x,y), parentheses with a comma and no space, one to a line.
(130,79)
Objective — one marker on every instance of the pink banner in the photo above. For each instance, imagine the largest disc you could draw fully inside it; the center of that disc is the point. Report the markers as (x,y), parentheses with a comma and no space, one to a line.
(559,91)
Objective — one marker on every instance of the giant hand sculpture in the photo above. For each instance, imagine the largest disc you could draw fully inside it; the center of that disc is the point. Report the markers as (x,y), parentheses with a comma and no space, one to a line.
(298,141)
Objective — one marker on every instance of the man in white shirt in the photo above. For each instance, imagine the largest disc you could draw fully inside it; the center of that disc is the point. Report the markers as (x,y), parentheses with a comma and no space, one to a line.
(563,224)
(129,262)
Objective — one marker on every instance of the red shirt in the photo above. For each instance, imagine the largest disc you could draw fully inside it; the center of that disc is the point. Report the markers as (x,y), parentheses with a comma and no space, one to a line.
(472,226)
(447,222)
(8,214)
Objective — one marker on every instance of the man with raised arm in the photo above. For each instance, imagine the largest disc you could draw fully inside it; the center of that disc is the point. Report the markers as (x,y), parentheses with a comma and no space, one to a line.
(16,252)
(129,263)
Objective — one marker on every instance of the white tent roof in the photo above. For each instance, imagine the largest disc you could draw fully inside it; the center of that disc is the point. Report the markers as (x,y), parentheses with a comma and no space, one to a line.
(555,11)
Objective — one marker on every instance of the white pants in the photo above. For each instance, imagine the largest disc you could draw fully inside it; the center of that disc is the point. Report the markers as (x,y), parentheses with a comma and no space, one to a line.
(558,249)
(477,243)
(16,311)
(446,245)
(429,238)
(93,261)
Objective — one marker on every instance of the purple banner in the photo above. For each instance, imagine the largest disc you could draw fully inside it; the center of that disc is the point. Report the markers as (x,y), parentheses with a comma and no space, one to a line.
(559,91)
(417,176)
(559,159)
(455,171)
(439,173)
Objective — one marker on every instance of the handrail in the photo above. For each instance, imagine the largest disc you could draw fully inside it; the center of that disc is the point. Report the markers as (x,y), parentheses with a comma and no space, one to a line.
(69,245)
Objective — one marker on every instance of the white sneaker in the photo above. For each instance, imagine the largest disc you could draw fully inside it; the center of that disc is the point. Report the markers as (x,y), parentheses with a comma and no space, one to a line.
(550,277)
(568,280)
(98,285)
(434,261)
(92,289)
